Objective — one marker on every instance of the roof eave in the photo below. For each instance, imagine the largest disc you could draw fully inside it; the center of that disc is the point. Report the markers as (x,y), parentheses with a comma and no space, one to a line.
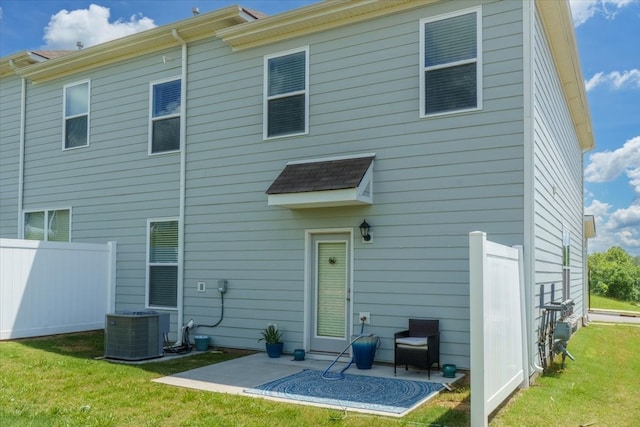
(558,25)
(152,40)
(589,223)
(11,63)
(311,19)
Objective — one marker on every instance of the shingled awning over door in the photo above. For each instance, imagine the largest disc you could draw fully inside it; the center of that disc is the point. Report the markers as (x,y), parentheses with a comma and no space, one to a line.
(343,181)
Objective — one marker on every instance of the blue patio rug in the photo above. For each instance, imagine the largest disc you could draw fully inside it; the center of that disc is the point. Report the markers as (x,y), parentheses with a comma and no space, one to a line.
(388,395)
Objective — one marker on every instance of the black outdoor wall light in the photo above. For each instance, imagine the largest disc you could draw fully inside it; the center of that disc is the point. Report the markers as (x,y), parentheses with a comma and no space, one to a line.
(364,231)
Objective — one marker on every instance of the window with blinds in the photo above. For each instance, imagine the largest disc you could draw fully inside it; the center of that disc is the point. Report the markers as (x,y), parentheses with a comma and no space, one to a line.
(450,57)
(48,225)
(76,115)
(165,116)
(566,263)
(286,93)
(163,264)
(331,289)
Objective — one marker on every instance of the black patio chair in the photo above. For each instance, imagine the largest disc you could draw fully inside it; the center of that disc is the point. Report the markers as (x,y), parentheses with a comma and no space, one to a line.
(418,346)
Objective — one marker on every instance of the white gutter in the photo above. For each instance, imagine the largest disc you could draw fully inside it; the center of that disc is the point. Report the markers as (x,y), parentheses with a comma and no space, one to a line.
(183,162)
(23,112)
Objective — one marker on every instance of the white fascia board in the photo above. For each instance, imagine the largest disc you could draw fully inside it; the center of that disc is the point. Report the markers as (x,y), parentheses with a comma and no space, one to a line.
(319,199)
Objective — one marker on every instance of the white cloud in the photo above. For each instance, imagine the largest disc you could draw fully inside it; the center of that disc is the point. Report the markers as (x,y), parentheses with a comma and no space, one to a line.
(90,26)
(607,166)
(583,10)
(615,79)
(628,217)
(630,238)
(619,228)
(598,209)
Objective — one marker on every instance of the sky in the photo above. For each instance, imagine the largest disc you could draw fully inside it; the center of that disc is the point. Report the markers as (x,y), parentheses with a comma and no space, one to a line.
(607,32)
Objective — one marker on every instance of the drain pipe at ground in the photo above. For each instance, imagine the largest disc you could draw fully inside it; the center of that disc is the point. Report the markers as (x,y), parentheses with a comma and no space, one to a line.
(183,157)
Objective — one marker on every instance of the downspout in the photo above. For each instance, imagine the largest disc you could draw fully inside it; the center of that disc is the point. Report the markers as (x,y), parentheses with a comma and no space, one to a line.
(528,47)
(23,113)
(183,162)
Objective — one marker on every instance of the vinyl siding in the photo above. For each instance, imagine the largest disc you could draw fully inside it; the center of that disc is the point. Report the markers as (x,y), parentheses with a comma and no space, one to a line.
(112,185)
(435,180)
(558,185)
(10,107)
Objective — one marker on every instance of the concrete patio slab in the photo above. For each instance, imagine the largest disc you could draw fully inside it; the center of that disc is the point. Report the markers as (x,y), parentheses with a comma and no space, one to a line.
(234,376)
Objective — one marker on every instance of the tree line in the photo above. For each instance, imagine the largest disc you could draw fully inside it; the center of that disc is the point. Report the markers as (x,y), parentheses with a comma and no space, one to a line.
(615,274)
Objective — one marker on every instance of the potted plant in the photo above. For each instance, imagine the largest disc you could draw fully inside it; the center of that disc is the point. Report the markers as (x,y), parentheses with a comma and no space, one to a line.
(272,339)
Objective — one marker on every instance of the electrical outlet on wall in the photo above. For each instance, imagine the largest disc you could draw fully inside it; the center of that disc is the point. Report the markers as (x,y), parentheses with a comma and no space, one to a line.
(202,286)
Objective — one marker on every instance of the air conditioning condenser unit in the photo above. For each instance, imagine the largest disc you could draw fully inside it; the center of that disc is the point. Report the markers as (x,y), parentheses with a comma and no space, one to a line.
(135,335)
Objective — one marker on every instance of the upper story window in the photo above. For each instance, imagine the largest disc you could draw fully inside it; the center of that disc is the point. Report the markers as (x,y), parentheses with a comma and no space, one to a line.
(48,225)
(286,101)
(76,115)
(450,57)
(164,126)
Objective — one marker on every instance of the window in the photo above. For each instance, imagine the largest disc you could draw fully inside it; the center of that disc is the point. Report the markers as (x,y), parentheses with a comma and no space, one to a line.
(48,225)
(164,127)
(76,115)
(450,56)
(566,263)
(162,271)
(286,107)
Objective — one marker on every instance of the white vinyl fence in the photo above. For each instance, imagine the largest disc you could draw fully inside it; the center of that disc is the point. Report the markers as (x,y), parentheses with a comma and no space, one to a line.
(497,314)
(54,287)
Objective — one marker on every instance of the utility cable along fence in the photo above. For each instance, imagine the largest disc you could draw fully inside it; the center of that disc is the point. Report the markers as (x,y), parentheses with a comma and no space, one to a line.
(497,325)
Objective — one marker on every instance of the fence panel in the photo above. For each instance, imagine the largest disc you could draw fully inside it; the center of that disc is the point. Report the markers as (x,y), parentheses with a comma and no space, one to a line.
(53,287)
(497,325)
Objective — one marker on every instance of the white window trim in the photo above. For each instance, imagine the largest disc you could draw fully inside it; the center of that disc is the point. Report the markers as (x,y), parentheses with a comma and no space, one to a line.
(169,116)
(46,220)
(64,114)
(267,98)
(148,263)
(478,60)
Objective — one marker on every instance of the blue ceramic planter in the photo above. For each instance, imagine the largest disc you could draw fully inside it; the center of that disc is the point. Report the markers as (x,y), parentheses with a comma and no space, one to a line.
(274,350)
(449,371)
(364,350)
(298,354)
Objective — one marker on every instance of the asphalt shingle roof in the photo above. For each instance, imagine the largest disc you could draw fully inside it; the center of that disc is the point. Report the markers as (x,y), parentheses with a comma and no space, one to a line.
(321,176)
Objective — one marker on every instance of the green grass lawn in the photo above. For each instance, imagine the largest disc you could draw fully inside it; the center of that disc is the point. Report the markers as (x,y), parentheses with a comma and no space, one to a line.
(599,388)
(57,381)
(597,301)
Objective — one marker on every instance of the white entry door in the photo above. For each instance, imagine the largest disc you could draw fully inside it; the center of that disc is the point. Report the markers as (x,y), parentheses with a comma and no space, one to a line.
(330,293)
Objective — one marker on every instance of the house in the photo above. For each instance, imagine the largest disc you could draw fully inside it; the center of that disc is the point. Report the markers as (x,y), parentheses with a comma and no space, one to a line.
(229,149)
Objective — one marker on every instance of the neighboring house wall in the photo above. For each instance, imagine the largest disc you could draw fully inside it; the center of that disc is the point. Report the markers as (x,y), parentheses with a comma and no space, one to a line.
(112,185)
(10,108)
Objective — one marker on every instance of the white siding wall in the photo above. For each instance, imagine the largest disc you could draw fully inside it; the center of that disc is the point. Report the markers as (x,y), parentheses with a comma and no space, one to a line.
(558,181)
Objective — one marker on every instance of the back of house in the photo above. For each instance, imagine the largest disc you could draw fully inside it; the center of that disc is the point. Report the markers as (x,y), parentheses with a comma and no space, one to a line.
(230,152)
